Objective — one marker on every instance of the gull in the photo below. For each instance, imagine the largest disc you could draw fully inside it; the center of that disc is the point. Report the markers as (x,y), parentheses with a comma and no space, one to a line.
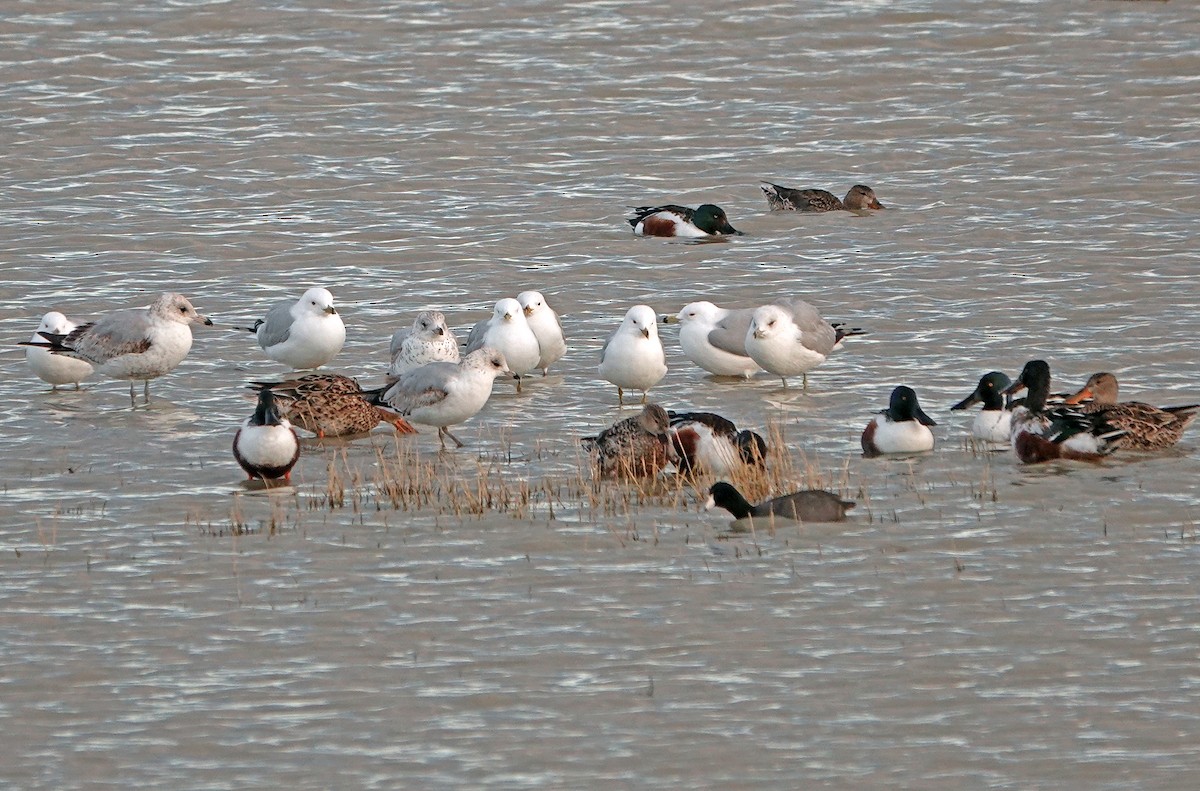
(632,358)
(509,333)
(266,446)
(444,394)
(429,340)
(901,428)
(303,334)
(714,338)
(330,405)
(544,322)
(789,338)
(138,344)
(56,369)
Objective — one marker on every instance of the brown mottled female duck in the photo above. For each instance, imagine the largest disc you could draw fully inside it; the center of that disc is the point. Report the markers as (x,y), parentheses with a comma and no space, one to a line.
(859,198)
(1146,427)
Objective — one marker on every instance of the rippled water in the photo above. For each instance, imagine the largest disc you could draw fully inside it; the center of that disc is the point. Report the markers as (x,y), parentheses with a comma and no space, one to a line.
(977,624)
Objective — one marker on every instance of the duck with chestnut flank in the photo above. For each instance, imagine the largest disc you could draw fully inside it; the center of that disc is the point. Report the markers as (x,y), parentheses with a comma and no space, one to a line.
(705,442)
(901,428)
(1044,433)
(266,446)
(671,220)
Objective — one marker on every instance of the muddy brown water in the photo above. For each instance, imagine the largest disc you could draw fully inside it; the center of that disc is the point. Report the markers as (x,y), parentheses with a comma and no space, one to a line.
(976,624)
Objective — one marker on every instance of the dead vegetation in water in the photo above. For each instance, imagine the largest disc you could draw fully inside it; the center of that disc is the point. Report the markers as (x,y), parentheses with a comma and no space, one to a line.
(545,483)
(555,481)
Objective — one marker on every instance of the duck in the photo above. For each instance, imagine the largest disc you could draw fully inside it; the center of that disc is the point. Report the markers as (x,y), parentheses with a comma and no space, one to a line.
(1147,428)
(705,442)
(859,198)
(901,428)
(266,446)
(1043,433)
(993,424)
(636,447)
(811,505)
(330,405)
(706,219)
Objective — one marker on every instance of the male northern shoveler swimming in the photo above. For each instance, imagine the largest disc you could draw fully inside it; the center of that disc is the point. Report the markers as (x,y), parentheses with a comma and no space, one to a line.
(330,405)
(706,442)
(994,422)
(901,428)
(1146,427)
(1041,433)
(672,220)
(636,447)
(859,198)
(266,446)
(812,505)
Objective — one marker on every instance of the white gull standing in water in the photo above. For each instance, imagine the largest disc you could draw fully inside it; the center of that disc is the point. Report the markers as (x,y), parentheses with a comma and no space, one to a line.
(429,340)
(57,369)
(546,327)
(632,358)
(714,338)
(138,344)
(789,339)
(303,334)
(509,333)
(445,394)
